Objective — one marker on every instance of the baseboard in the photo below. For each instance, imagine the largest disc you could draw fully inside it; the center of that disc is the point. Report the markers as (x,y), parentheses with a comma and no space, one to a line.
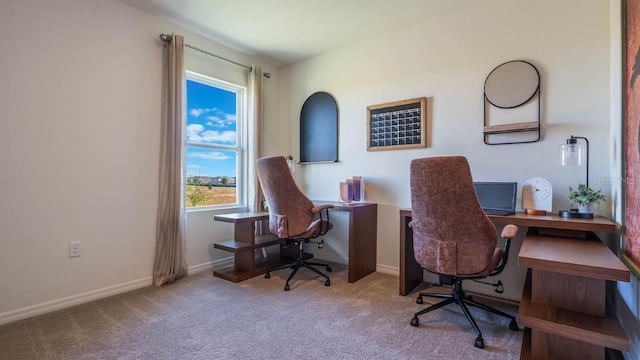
(385,269)
(211,265)
(78,299)
(66,302)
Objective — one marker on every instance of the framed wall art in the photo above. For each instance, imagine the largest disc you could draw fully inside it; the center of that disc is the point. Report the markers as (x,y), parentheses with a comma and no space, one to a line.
(397,125)
(631,126)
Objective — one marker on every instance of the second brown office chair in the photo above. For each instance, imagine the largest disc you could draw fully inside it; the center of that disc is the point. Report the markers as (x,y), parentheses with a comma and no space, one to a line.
(292,216)
(452,237)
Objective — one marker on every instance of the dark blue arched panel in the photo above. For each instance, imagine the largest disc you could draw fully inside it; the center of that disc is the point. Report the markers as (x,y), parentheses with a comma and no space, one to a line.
(319,129)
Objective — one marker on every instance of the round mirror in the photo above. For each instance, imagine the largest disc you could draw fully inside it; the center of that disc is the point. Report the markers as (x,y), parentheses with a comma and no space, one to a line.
(511,84)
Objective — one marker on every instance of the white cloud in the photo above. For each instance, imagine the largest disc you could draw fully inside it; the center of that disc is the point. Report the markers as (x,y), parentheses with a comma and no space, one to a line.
(196,112)
(211,136)
(217,112)
(217,118)
(215,121)
(196,133)
(213,155)
(193,132)
(222,120)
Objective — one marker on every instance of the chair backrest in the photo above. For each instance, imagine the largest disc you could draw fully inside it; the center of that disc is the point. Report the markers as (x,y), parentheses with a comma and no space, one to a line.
(289,209)
(451,233)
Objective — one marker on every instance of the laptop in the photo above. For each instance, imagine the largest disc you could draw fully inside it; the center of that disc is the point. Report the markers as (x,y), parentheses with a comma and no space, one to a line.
(497,198)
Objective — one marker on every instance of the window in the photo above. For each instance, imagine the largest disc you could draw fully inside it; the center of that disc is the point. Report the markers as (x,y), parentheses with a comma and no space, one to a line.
(214,142)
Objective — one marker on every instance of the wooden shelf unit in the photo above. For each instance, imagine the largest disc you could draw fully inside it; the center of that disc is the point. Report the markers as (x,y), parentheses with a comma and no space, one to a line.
(247,263)
(563,302)
(511,128)
(363,219)
(563,305)
(599,330)
(237,246)
(261,266)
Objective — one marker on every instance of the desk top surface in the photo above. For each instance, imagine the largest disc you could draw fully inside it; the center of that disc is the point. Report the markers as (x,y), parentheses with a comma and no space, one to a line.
(552,221)
(242,217)
(343,206)
(264,215)
(590,258)
(555,221)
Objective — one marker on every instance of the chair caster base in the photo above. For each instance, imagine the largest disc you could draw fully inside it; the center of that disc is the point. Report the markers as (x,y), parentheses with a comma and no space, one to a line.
(419,300)
(513,325)
(286,287)
(327,283)
(414,322)
(267,275)
(479,343)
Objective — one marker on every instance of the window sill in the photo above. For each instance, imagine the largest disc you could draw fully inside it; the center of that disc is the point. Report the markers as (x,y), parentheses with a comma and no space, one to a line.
(219,210)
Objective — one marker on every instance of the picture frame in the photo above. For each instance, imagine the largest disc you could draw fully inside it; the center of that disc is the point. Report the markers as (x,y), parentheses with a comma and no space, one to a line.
(397,125)
(631,128)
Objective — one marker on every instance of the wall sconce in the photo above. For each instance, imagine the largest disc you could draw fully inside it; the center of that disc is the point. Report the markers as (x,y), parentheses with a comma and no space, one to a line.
(291,163)
(573,154)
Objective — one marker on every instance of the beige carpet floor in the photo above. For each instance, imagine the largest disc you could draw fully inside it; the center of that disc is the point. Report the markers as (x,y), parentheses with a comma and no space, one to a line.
(203,317)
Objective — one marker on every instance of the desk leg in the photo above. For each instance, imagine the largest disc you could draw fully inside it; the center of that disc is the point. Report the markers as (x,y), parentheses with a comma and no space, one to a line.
(410,271)
(577,294)
(549,346)
(363,230)
(245,232)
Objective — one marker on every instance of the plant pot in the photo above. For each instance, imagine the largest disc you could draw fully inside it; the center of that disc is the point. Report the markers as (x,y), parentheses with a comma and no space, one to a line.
(586,208)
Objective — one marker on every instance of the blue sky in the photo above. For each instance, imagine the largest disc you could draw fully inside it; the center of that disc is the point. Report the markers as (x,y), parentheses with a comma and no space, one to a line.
(211,119)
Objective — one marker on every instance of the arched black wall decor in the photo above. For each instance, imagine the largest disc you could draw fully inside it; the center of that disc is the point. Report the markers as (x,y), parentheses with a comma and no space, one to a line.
(319,129)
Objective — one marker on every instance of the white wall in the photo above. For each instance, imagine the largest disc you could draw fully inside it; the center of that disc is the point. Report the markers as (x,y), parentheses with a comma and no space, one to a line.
(80,107)
(80,110)
(447,59)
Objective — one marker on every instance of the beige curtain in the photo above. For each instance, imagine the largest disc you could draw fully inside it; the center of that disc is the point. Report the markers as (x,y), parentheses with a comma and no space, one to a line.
(255,141)
(170,263)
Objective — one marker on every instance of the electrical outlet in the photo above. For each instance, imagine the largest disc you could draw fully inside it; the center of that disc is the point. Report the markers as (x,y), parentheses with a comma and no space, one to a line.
(75,248)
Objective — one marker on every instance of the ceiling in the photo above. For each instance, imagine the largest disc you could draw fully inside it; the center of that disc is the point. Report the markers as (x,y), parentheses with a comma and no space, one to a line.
(288,31)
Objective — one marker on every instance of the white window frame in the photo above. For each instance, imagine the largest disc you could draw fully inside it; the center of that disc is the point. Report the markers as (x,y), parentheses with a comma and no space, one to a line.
(241,144)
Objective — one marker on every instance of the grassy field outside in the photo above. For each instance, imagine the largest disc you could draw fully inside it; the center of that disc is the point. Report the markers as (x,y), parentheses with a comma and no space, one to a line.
(206,196)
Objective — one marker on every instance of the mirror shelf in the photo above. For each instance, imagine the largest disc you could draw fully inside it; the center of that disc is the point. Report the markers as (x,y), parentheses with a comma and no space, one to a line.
(509,86)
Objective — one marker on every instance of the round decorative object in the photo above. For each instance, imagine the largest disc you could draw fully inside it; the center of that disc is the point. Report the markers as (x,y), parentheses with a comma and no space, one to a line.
(511,84)
(537,194)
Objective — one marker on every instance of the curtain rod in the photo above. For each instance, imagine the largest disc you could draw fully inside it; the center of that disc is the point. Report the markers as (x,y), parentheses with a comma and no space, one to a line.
(168,38)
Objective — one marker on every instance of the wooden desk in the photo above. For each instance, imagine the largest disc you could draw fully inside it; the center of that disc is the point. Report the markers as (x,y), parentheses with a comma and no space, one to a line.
(563,302)
(411,272)
(564,299)
(363,220)
(246,262)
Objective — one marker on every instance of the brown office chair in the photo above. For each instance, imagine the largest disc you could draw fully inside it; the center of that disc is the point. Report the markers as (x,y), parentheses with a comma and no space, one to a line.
(452,237)
(292,216)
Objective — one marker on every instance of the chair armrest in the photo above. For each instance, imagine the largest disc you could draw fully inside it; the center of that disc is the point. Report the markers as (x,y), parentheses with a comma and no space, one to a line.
(509,231)
(317,209)
(324,223)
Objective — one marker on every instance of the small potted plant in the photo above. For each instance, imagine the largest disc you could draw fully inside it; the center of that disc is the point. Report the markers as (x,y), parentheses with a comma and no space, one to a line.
(585,197)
